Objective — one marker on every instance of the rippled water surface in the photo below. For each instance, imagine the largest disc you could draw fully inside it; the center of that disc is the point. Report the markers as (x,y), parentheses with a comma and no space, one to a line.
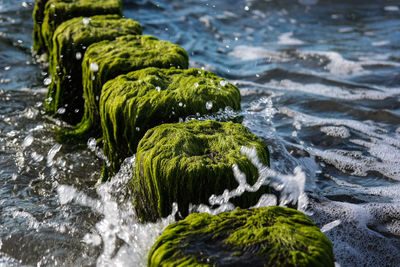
(320,83)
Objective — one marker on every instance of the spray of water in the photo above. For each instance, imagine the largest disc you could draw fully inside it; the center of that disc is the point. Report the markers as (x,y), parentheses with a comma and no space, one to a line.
(291,188)
(124,241)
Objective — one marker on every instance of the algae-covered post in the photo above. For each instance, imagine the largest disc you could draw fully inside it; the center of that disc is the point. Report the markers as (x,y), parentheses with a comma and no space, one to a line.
(188,162)
(65,94)
(269,236)
(106,60)
(48,14)
(133,103)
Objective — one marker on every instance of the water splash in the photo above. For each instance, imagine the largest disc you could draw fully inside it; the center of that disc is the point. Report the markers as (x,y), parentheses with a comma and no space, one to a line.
(291,188)
(92,145)
(52,152)
(124,240)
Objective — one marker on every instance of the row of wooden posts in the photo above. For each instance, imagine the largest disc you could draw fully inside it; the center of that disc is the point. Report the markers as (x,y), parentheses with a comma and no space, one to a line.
(133,93)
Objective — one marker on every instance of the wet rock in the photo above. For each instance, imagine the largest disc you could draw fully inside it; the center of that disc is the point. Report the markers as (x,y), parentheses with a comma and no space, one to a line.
(188,162)
(64,97)
(48,14)
(268,236)
(133,103)
(106,60)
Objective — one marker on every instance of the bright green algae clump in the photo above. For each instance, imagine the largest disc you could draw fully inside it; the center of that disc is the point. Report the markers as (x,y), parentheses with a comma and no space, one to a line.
(269,236)
(113,58)
(188,162)
(70,42)
(133,103)
(48,14)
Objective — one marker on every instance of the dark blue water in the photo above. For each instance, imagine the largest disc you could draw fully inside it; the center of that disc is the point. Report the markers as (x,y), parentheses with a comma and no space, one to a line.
(320,83)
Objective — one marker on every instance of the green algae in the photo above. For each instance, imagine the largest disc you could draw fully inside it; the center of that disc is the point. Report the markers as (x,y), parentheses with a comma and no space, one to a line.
(133,103)
(71,39)
(113,58)
(49,14)
(38,16)
(268,236)
(188,162)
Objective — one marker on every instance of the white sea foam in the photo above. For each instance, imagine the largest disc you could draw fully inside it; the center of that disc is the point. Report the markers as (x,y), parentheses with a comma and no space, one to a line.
(287,39)
(383,150)
(336,92)
(339,65)
(341,132)
(361,233)
(245,52)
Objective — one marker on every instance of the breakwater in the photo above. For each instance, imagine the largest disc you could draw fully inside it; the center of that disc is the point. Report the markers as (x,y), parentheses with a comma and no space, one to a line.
(239,63)
(203,153)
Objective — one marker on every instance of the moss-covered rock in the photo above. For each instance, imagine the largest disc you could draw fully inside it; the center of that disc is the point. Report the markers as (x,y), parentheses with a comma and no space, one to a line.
(133,103)
(269,236)
(71,39)
(106,60)
(188,162)
(48,14)
(38,15)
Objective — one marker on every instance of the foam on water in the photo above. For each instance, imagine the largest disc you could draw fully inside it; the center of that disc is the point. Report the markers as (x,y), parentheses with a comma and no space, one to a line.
(364,235)
(246,52)
(287,39)
(383,149)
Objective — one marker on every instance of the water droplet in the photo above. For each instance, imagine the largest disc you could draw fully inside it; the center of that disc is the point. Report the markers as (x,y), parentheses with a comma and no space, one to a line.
(47,81)
(180,104)
(196,85)
(7,68)
(91,143)
(78,55)
(246,8)
(209,105)
(94,67)
(52,152)
(86,21)
(28,141)
(36,157)
(61,110)
(158,88)
(223,83)
(137,129)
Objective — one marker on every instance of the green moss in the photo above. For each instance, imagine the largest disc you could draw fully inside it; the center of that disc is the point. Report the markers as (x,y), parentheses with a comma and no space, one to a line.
(48,14)
(113,58)
(133,103)
(71,38)
(38,16)
(188,162)
(269,236)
